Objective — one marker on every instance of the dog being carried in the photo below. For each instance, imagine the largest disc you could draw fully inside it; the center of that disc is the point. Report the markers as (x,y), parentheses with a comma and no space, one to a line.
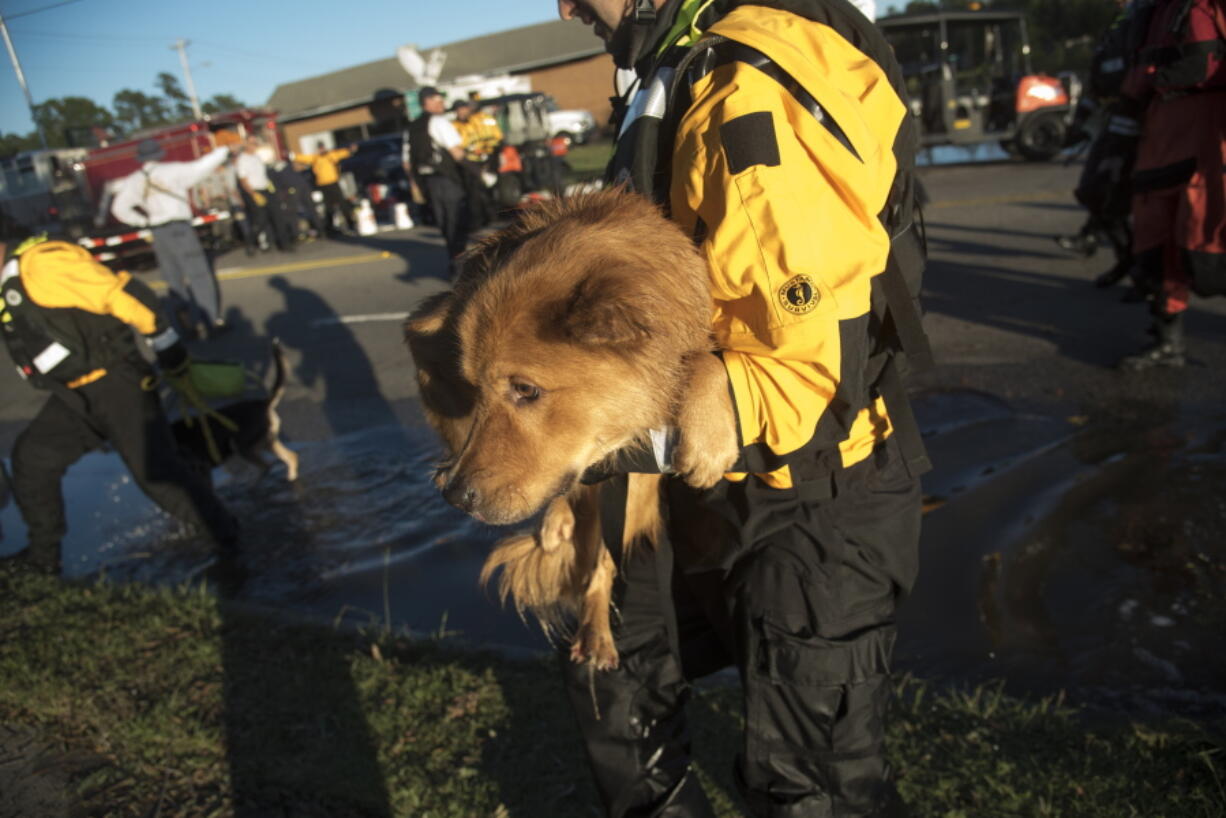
(583,329)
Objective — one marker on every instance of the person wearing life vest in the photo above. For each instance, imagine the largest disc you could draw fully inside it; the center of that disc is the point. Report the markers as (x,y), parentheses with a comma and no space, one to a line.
(777,134)
(435,153)
(480,136)
(1105,198)
(67,322)
(325,165)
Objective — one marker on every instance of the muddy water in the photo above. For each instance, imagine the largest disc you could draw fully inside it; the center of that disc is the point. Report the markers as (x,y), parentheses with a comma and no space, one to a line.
(1058,552)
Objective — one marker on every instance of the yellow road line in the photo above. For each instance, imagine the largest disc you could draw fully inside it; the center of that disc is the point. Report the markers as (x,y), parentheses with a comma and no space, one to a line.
(993,200)
(255,272)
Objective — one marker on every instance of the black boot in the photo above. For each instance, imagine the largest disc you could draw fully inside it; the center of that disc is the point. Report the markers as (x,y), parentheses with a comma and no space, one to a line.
(1113,275)
(1083,244)
(36,559)
(1166,350)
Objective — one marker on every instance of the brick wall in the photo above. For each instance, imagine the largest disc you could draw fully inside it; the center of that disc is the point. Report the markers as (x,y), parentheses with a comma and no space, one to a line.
(350,117)
(586,83)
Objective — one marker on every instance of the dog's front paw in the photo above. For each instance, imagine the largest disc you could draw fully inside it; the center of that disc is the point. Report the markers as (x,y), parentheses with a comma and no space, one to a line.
(707,448)
(557,525)
(594,644)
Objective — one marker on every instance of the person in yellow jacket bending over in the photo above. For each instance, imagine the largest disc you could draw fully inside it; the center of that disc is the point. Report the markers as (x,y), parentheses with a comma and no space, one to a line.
(67,322)
(776,133)
(324,164)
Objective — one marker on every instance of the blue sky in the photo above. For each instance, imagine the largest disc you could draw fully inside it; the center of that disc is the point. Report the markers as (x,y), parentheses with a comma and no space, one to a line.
(93,48)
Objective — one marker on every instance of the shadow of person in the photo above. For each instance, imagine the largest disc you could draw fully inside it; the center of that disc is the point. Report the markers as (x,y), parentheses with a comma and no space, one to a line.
(297,741)
(331,354)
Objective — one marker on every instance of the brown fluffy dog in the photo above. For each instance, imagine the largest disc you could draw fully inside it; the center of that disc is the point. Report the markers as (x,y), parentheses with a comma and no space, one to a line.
(568,336)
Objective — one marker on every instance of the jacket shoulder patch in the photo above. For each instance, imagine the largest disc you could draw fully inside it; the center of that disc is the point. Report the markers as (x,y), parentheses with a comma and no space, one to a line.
(750,140)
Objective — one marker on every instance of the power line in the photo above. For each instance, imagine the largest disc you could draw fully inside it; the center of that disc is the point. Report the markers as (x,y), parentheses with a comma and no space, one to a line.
(44,8)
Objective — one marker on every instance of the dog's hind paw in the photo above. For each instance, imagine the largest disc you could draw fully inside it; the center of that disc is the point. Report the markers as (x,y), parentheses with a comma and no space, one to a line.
(594,647)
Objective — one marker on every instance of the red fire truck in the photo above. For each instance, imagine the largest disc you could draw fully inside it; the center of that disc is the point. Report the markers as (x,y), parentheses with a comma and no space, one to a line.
(68,192)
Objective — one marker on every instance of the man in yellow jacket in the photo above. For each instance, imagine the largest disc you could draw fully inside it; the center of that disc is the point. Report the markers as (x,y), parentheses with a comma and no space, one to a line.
(325,164)
(67,322)
(775,132)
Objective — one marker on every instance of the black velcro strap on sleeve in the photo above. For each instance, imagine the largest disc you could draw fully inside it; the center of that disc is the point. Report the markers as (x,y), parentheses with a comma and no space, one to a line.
(750,140)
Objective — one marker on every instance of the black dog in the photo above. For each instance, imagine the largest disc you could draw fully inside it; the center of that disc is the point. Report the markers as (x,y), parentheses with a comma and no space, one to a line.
(257,429)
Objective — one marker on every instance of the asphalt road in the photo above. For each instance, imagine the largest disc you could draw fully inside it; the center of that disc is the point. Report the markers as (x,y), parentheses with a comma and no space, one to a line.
(1007,311)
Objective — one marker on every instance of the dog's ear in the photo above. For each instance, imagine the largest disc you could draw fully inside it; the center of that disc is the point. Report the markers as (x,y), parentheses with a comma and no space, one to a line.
(429,317)
(607,310)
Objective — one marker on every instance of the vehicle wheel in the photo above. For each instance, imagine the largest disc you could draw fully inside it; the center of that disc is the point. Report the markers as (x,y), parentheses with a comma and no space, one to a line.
(1041,136)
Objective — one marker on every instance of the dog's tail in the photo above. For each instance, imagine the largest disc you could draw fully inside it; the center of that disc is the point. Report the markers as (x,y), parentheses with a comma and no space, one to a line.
(535,580)
(280,368)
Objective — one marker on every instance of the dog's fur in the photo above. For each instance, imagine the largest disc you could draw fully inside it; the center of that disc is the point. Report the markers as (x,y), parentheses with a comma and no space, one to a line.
(257,429)
(567,337)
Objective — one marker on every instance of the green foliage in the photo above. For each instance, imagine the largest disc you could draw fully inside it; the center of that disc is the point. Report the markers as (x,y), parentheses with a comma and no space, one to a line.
(177,100)
(136,110)
(64,119)
(1063,33)
(220,103)
(11,143)
(78,121)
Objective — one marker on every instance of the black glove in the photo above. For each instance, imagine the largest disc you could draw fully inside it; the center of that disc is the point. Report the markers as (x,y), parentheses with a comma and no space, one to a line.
(173,360)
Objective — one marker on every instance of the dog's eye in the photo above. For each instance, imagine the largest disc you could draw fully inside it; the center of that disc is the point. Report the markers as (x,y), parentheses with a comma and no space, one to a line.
(524,392)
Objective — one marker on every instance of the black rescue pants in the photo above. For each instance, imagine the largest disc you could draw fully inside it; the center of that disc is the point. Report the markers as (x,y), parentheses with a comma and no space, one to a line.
(117,411)
(804,609)
(1109,206)
(335,201)
(448,203)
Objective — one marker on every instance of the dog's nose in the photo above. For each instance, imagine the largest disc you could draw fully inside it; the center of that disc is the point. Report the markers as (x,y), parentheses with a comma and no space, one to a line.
(460,494)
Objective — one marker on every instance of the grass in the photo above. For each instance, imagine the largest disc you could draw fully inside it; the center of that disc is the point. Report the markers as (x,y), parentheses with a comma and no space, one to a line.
(169,703)
(587,162)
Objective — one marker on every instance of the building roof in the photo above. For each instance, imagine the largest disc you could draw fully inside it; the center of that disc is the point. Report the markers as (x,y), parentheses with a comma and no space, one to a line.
(515,50)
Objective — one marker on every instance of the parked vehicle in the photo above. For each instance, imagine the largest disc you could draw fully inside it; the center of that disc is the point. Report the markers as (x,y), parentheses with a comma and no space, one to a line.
(970,80)
(574,125)
(69,192)
(531,158)
(377,170)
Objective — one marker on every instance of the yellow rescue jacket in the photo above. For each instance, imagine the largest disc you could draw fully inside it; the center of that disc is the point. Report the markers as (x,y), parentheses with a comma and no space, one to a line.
(61,277)
(788,218)
(481,136)
(324,165)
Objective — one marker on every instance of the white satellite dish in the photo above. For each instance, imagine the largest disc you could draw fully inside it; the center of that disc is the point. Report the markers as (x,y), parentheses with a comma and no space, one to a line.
(423,70)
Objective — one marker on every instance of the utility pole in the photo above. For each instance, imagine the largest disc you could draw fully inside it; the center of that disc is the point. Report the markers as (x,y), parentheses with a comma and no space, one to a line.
(21,80)
(181,46)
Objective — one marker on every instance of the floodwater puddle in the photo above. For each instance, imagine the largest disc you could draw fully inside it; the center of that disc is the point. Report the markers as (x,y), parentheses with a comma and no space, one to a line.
(1055,553)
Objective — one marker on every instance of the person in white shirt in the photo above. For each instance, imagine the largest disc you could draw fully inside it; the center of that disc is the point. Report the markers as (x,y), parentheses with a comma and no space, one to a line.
(259,199)
(435,151)
(156,196)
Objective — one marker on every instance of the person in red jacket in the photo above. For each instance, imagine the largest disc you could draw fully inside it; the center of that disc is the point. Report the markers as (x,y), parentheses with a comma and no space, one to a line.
(1173,110)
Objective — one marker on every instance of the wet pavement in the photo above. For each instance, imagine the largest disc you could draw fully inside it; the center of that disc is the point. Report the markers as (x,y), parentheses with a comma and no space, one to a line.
(1076,528)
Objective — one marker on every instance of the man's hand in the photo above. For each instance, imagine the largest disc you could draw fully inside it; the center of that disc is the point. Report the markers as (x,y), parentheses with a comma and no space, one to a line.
(259,198)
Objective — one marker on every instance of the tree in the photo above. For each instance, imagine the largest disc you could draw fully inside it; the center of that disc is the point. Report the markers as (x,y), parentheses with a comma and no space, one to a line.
(12,144)
(136,110)
(59,117)
(221,102)
(178,103)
